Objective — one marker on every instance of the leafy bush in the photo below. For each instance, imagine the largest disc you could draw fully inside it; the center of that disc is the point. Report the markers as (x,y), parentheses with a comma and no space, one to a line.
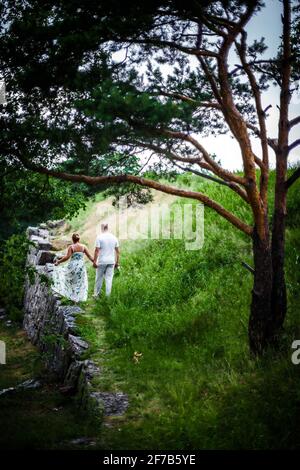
(12,273)
(57,199)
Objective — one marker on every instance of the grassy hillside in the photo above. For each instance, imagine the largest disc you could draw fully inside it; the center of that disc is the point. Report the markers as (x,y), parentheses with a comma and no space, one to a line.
(186,312)
(193,384)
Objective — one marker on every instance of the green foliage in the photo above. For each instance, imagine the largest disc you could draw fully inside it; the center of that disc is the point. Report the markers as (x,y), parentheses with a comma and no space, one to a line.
(120,104)
(82,108)
(27,199)
(52,339)
(134,194)
(13,273)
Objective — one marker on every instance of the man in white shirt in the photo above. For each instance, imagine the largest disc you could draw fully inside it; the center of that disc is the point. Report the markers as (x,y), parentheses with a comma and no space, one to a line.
(106,259)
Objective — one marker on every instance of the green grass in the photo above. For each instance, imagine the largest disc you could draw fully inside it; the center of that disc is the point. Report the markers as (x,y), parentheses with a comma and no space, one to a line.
(195,385)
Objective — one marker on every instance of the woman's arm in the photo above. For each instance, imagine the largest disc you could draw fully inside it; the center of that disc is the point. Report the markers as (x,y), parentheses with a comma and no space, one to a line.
(88,254)
(64,258)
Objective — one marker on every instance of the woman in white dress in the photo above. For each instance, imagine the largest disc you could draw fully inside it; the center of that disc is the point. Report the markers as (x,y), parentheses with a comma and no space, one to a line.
(71,281)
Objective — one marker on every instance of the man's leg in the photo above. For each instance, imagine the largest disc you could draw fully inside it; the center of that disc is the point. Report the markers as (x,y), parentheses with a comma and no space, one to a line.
(109,274)
(99,278)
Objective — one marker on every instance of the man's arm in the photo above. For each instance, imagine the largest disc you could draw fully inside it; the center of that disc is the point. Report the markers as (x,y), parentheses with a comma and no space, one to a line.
(96,254)
(117,255)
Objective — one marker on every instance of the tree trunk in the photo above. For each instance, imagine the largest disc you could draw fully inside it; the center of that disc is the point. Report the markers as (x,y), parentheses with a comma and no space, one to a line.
(279,302)
(279,298)
(260,315)
(269,299)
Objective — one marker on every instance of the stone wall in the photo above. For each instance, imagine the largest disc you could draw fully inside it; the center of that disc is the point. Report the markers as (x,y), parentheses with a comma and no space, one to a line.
(51,326)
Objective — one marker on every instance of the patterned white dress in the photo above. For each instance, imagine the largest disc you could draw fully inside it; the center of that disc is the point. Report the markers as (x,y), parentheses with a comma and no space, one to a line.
(71,280)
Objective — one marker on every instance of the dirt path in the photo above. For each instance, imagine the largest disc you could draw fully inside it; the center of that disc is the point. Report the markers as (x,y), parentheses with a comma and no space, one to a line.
(120,220)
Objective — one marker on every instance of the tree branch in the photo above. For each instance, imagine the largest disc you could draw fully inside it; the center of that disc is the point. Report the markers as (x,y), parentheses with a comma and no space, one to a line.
(294,144)
(271,142)
(171,155)
(170,44)
(236,188)
(212,82)
(188,99)
(174,157)
(214,167)
(118,179)
(238,125)
(292,178)
(217,169)
(294,122)
(242,48)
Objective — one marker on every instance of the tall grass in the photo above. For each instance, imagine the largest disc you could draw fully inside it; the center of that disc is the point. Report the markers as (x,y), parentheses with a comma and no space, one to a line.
(195,384)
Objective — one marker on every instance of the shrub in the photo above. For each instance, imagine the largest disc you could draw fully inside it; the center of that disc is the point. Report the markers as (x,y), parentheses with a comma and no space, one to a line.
(12,273)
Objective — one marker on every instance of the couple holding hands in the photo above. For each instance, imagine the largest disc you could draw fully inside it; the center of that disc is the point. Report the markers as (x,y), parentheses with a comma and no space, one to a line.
(71,280)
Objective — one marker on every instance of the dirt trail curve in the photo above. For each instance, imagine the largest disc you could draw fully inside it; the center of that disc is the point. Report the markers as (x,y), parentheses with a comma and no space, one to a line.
(118,219)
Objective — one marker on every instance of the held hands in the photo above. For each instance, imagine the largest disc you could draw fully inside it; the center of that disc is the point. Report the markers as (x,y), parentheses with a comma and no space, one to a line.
(95,265)
(58,260)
